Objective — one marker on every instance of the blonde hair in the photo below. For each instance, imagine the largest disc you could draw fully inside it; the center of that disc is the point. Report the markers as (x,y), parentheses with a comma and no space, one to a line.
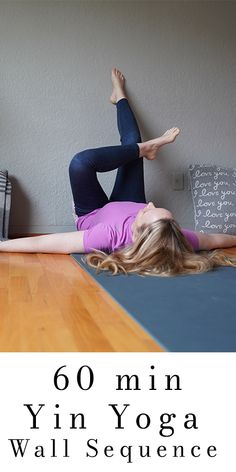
(159,249)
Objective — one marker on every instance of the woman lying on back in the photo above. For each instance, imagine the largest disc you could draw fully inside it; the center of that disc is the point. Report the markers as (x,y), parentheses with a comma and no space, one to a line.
(124,234)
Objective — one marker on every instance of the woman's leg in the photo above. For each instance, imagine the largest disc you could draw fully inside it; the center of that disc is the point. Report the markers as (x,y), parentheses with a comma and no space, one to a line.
(129,183)
(87,192)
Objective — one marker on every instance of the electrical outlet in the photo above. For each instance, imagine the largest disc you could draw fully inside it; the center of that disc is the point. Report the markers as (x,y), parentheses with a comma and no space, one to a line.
(177,181)
(187,183)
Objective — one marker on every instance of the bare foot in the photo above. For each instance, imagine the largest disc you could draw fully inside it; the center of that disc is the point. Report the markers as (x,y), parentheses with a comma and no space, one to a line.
(118,82)
(149,149)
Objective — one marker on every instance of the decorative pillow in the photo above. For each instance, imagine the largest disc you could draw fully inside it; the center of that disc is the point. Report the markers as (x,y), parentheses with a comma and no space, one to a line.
(214,198)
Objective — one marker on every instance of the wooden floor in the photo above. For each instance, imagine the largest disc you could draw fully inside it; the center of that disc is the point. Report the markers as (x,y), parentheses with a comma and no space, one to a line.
(48,303)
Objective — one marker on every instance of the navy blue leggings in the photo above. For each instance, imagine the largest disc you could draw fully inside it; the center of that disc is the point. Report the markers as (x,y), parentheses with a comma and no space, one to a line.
(129,183)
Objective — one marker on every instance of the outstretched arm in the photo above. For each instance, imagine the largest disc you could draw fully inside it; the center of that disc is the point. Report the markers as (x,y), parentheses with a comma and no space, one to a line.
(60,243)
(215,241)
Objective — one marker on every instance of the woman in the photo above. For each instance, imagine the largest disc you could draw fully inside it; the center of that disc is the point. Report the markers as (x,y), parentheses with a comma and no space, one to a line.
(124,233)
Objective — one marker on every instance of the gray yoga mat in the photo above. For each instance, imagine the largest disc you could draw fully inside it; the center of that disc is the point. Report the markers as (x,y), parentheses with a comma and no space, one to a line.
(193,313)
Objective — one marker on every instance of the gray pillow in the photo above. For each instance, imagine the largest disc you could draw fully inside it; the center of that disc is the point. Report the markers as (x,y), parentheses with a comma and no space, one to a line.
(213,191)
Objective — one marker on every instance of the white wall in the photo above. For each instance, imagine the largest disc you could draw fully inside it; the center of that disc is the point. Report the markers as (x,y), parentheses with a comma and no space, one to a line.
(55,60)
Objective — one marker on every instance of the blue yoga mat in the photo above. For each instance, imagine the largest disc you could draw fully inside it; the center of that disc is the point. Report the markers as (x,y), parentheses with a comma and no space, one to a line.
(193,313)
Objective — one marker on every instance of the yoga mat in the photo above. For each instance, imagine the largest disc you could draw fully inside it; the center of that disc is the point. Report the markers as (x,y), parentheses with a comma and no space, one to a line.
(191,313)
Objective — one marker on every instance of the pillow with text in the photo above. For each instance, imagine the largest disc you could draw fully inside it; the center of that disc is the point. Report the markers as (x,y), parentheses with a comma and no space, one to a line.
(213,191)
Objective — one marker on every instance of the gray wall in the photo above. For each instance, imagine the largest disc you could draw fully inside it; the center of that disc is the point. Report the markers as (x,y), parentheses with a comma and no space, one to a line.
(55,60)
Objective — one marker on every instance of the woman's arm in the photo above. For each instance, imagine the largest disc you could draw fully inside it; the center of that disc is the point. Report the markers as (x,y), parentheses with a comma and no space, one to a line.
(215,241)
(60,243)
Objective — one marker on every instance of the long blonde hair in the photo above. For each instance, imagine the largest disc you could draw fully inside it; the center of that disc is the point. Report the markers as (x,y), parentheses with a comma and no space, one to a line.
(159,249)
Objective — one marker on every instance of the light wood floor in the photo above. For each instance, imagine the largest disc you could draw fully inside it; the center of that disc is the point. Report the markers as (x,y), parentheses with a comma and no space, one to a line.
(48,303)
